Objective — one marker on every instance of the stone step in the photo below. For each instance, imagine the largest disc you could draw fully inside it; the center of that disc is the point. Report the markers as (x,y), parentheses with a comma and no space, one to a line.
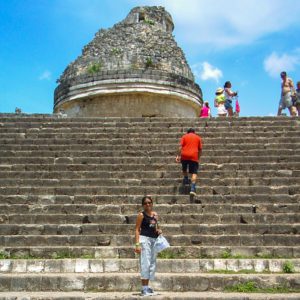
(135,208)
(174,282)
(143,130)
(49,119)
(145,160)
(153,136)
(168,229)
(188,252)
(22,140)
(174,175)
(144,153)
(140,125)
(144,147)
(132,265)
(150,190)
(228,218)
(136,296)
(175,240)
(67,165)
(245,199)
(203,183)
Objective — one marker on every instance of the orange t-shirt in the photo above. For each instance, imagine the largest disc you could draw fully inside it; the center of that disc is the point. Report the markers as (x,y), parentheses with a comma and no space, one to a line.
(191,144)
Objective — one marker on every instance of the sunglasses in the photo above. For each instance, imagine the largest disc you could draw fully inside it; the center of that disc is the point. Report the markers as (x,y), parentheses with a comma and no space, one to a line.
(147,203)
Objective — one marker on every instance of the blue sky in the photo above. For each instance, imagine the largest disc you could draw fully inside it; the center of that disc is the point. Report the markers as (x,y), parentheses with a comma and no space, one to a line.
(245,41)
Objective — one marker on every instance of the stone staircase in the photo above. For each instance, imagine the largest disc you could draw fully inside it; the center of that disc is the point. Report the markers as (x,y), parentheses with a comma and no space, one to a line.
(71,190)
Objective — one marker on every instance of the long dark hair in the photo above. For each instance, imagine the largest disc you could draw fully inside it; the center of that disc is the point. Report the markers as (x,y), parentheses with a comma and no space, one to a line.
(145,198)
(227,83)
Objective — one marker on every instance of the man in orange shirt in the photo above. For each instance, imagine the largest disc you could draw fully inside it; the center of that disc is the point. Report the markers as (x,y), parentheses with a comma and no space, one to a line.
(189,154)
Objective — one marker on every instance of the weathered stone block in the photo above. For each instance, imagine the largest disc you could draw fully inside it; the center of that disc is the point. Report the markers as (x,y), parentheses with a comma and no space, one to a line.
(81,265)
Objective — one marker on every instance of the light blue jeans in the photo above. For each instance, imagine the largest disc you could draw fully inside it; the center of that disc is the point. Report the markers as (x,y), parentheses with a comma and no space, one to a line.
(147,257)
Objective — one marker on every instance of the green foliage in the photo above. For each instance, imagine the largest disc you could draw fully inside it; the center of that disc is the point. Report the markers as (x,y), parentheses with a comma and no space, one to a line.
(116,51)
(149,22)
(59,255)
(238,272)
(4,255)
(247,287)
(226,254)
(288,267)
(149,62)
(251,287)
(94,68)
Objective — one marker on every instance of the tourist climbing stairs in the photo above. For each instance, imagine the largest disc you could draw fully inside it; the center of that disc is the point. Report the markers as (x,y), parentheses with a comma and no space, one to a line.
(71,188)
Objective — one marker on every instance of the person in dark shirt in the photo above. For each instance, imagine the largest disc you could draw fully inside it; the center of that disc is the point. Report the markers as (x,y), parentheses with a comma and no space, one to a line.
(189,154)
(146,233)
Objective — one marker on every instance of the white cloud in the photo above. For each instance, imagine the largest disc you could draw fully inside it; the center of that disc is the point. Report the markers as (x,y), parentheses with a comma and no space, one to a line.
(275,63)
(46,75)
(227,23)
(206,71)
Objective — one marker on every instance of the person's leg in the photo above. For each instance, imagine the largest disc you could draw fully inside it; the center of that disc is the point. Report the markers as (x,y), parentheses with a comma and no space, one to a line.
(230,112)
(279,112)
(298,109)
(193,168)
(145,282)
(145,259)
(184,172)
(280,107)
(152,264)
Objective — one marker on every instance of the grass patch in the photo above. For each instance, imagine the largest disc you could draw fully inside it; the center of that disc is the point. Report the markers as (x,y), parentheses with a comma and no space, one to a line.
(60,255)
(116,51)
(251,287)
(226,254)
(149,22)
(149,62)
(288,267)
(238,272)
(94,68)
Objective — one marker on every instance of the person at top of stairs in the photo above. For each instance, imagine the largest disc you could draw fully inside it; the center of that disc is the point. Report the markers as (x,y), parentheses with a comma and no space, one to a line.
(287,90)
(190,151)
(229,94)
(146,233)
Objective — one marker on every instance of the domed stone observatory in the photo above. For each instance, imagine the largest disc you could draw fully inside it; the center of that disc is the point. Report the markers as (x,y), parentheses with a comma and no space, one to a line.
(134,69)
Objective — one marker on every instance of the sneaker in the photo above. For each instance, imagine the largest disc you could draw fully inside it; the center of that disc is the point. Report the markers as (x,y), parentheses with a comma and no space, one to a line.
(193,191)
(186,181)
(145,293)
(151,292)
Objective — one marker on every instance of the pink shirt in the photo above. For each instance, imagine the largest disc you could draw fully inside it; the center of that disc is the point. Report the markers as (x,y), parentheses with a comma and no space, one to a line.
(204,112)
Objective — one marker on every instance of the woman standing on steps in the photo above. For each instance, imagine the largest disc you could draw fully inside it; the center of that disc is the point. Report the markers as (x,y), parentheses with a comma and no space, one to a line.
(229,94)
(146,233)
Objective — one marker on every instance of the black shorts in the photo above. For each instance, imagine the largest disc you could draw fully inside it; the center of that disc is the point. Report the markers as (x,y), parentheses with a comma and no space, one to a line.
(192,165)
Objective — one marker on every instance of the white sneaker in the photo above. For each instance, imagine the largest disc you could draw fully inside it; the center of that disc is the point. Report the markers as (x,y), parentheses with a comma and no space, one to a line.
(145,293)
(151,292)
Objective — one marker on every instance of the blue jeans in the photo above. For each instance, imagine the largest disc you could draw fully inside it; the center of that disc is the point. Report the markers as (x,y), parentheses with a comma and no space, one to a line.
(147,257)
(228,104)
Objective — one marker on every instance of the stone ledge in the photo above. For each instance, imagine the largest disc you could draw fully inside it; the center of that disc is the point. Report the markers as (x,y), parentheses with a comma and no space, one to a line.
(131,265)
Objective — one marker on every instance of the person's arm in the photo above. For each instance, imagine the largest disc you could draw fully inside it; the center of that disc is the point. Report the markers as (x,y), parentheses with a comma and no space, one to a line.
(138,224)
(178,156)
(158,229)
(230,92)
(292,87)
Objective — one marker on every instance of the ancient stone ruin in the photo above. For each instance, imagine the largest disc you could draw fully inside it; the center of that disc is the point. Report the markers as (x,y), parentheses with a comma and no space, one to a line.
(133,69)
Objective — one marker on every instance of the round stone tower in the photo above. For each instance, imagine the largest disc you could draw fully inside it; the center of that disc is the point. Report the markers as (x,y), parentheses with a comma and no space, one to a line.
(133,69)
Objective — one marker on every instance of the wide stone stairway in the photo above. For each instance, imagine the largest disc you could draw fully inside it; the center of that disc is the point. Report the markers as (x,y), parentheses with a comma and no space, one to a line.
(70,190)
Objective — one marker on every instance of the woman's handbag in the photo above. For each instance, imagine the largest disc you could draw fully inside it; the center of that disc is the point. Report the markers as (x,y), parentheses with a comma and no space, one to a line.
(161,244)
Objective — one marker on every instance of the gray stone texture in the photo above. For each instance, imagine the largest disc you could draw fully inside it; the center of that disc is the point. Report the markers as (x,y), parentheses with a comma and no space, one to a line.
(71,190)
(141,56)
